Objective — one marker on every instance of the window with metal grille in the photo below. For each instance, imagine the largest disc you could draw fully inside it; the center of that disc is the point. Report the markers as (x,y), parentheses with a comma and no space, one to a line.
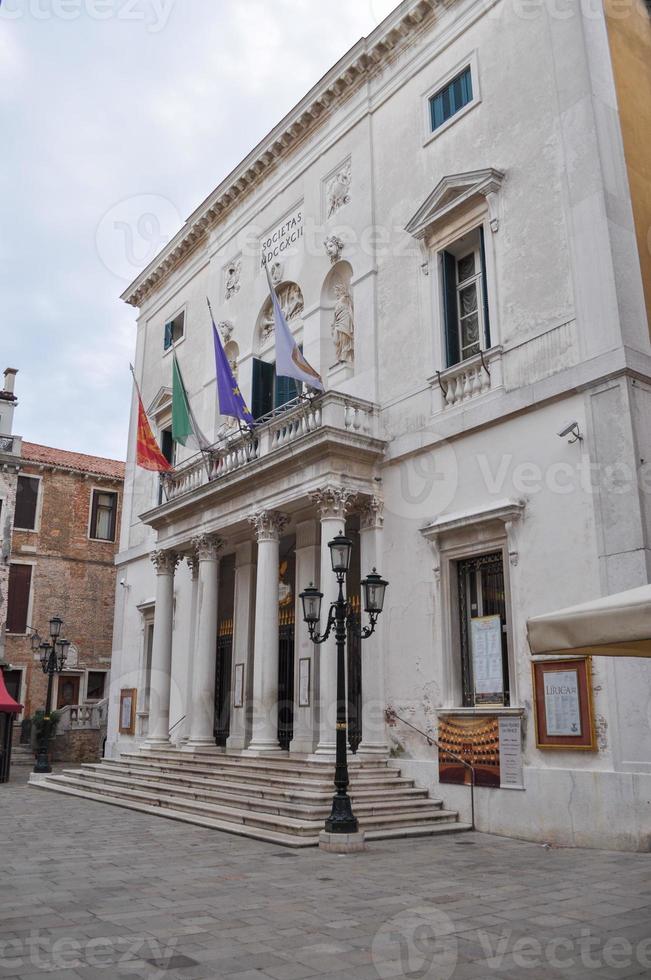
(451,98)
(480,583)
(103,515)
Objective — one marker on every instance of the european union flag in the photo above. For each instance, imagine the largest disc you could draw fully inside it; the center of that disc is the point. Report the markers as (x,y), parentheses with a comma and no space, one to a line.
(230,397)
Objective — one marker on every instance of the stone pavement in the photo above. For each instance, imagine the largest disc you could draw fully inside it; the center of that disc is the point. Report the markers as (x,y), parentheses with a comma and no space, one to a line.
(95,891)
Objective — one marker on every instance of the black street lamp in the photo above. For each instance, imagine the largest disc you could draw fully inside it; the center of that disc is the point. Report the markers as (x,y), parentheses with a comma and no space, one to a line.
(340,616)
(53,659)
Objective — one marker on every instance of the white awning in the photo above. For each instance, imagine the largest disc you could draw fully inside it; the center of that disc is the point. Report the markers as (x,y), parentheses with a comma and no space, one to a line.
(613,626)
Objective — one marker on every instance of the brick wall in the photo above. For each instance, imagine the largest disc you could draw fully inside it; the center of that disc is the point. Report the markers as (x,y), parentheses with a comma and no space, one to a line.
(73,576)
(77,747)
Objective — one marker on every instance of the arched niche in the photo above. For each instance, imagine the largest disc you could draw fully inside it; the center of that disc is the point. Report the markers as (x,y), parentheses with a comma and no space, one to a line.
(232,352)
(290,297)
(338,315)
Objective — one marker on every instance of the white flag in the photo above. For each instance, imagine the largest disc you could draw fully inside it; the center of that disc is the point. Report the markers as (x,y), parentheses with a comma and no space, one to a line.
(290,363)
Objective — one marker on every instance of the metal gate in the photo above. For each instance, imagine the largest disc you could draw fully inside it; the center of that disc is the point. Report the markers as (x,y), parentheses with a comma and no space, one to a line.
(286,677)
(223,682)
(354,676)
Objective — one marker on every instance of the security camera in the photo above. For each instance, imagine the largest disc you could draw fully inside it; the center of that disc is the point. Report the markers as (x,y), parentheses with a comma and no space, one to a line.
(123,583)
(571,429)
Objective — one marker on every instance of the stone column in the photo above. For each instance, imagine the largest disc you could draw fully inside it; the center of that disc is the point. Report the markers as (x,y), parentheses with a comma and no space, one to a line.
(207,548)
(268,525)
(165,563)
(307,571)
(244,605)
(373,694)
(332,503)
(193,565)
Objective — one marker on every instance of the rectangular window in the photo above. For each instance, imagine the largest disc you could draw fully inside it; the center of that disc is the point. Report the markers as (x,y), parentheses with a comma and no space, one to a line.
(103,515)
(26,503)
(483,631)
(174,330)
(95,686)
(270,391)
(20,581)
(465,298)
(451,98)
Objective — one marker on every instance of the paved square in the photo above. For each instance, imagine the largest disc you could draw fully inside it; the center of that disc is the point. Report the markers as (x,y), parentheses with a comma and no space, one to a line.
(95,891)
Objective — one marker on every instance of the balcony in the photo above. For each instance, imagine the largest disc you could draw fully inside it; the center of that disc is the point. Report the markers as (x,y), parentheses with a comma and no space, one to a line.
(300,426)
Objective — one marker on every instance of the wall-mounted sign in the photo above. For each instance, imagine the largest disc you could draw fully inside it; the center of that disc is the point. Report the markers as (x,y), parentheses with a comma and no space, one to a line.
(127,724)
(563,701)
(487,663)
(238,692)
(304,671)
(282,240)
(511,772)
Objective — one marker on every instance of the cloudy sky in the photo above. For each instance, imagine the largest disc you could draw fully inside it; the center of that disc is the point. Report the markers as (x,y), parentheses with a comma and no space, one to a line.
(111,110)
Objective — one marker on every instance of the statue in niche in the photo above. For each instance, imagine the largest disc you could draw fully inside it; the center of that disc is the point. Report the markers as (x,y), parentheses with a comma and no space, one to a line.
(343,325)
(233,271)
(334,246)
(291,302)
(338,189)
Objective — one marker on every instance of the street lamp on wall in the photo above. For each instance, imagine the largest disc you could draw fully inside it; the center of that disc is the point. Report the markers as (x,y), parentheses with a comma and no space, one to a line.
(340,618)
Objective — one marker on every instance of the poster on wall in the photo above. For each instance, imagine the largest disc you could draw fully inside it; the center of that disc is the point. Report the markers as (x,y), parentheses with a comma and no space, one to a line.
(487,668)
(128,711)
(238,693)
(563,702)
(491,744)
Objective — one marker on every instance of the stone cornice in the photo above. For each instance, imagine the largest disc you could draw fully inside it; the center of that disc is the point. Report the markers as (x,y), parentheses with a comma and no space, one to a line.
(364,60)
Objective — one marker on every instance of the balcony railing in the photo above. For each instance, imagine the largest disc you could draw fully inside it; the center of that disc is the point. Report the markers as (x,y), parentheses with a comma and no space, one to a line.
(274,432)
(470,378)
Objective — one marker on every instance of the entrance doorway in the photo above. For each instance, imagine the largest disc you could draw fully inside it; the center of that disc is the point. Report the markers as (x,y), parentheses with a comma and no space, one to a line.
(286,677)
(223,682)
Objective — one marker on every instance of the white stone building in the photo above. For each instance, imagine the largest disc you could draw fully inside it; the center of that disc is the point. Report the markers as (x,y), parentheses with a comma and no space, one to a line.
(452,210)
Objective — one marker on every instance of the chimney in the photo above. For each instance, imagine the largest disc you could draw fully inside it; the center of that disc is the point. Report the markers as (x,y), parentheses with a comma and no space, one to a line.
(10,379)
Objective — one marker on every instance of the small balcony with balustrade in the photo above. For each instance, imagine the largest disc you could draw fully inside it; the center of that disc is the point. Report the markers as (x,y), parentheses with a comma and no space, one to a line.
(293,448)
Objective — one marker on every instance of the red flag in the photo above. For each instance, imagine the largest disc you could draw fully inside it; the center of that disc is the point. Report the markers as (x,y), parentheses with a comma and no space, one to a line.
(148,455)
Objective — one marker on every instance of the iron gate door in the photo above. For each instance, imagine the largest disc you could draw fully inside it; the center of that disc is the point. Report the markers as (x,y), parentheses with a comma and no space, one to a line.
(354,676)
(223,682)
(286,677)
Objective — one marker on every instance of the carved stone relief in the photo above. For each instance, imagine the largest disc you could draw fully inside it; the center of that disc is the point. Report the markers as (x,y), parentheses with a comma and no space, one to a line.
(233,272)
(291,302)
(338,187)
(334,246)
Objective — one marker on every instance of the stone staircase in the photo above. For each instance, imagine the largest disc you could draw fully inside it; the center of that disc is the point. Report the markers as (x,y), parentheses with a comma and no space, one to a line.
(277,799)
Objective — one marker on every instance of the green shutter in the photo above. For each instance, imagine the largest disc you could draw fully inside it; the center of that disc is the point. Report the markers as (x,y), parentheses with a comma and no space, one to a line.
(263,388)
(168,338)
(450,308)
(484,291)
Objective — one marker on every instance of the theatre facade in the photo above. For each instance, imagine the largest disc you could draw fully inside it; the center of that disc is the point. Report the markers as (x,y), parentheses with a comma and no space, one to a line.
(454,223)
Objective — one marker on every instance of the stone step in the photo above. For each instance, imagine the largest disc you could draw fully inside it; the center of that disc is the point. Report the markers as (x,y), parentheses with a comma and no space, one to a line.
(272,778)
(282,762)
(308,807)
(228,785)
(267,821)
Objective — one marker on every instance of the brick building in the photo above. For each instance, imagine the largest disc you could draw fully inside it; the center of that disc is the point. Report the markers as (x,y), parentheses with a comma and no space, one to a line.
(63,542)
(10,450)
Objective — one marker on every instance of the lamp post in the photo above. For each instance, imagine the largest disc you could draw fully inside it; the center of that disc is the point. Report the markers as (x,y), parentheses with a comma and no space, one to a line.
(53,658)
(341,819)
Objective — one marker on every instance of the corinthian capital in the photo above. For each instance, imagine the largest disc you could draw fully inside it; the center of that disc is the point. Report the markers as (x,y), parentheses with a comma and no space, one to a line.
(208,547)
(268,524)
(332,500)
(371,512)
(165,562)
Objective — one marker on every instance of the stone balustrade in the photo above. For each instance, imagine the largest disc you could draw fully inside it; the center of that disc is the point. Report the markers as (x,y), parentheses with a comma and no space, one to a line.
(83,717)
(471,378)
(282,428)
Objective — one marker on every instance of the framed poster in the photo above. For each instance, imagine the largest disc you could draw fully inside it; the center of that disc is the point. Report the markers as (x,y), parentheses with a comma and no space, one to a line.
(304,672)
(128,711)
(563,704)
(238,692)
(487,659)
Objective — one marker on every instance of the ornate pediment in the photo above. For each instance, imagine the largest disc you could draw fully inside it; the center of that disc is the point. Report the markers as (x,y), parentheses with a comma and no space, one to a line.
(453,192)
(161,403)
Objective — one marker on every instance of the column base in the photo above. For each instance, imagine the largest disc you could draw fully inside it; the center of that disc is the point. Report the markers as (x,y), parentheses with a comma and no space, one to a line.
(342,843)
(156,743)
(236,743)
(205,746)
(264,748)
(326,749)
(373,750)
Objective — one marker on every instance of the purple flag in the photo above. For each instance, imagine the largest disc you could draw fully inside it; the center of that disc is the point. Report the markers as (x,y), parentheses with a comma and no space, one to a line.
(231,401)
